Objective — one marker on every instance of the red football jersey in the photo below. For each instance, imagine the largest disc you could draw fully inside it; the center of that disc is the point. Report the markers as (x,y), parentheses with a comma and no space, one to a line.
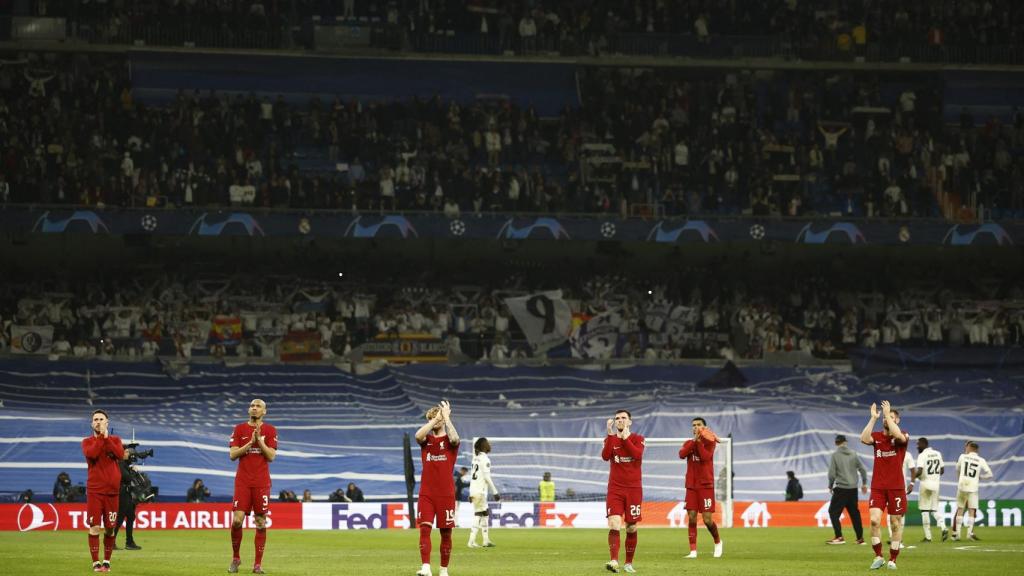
(625,456)
(700,463)
(437,455)
(253,467)
(888,471)
(102,455)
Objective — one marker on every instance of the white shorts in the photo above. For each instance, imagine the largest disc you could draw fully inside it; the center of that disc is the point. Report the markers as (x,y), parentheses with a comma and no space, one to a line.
(966,499)
(928,500)
(479,501)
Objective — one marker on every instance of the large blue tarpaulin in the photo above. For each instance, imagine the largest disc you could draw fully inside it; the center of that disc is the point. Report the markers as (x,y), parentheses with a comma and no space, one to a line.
(335,427)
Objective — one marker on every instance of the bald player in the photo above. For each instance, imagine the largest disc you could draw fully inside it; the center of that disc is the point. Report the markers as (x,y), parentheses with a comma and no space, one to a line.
(254,446)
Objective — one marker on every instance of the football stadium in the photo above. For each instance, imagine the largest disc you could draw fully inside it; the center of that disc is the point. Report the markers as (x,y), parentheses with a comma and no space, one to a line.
(509,287)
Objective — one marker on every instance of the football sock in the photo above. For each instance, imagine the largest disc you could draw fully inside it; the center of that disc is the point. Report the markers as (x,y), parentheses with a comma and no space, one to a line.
(692,533)
(474,529)
(713,528)
(613,544)
(876,545)
(894,550)
(446,546)
(108,546)
(926,521)
(94,547)
(969,523)
(261,542)
(630,546)
(485,528)
(425,543)
(236,540)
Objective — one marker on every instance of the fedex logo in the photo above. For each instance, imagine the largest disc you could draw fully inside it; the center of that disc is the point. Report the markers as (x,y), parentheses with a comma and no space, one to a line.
(391,515)
(543,515)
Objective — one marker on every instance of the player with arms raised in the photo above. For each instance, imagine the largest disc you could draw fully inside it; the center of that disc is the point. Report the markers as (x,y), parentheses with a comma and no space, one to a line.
(439,446)
(479,483)
(625,451)
(888,491)
(699,454)
(254,445)
(102,452)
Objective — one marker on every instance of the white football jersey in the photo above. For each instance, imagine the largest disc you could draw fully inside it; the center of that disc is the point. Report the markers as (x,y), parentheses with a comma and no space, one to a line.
(970,467)
(480,475)
(908,467)
(929,462)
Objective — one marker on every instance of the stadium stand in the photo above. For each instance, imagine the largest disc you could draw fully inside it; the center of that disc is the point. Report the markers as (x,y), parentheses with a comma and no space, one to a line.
(967,32)
(777,122)
(701,313)
(634,143)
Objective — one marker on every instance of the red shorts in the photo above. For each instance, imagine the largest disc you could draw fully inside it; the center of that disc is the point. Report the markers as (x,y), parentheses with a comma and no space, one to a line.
(101,510)
(700,499)
(625,502)
(892,501)
(255,500)
(439,508)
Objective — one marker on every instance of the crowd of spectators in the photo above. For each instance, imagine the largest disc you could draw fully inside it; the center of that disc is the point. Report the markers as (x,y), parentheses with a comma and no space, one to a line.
(707,315)
(575,26)
(642,142)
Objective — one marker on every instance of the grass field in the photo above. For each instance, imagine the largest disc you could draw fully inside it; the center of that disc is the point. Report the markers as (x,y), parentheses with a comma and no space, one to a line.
(519,552)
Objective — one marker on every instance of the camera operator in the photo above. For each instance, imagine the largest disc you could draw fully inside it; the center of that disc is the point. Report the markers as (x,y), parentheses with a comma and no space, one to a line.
(63,490)
(198,492)
(126,506)
(135,488)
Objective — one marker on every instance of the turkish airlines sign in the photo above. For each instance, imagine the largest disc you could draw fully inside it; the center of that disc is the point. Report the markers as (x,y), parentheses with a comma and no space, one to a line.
(170,516)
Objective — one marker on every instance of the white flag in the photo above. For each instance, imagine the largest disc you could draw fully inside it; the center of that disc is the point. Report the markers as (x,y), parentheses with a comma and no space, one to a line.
(656,315)
(31,339)
(544,318)
(597,337)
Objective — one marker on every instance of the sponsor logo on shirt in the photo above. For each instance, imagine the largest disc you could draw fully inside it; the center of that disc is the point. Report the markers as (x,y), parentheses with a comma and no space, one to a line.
(623,459)
(437,457)
(884,453)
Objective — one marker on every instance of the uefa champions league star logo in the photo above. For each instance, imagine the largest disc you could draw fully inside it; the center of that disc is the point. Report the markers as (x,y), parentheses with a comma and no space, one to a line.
(757,232)
(149,222)
(608,230)
(457,227)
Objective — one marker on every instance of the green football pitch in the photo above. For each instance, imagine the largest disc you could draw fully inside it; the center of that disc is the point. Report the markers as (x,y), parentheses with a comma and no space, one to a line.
(519,552)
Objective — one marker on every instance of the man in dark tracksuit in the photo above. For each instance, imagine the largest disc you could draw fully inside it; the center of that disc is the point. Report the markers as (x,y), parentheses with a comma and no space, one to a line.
(842,483)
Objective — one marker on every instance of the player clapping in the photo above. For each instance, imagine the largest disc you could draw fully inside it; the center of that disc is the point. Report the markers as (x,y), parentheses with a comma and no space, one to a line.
(439,446)
(624,450)
(888,491)
(699,454)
